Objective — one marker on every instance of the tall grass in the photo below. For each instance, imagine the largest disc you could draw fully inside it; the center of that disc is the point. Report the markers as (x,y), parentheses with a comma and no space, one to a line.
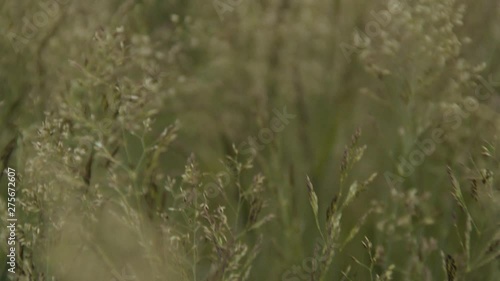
(150,140)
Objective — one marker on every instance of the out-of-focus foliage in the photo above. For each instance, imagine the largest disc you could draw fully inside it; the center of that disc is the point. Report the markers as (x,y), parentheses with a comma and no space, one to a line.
(252,140)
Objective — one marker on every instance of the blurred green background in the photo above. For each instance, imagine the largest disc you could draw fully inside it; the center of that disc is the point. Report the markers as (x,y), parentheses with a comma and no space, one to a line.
(221,69)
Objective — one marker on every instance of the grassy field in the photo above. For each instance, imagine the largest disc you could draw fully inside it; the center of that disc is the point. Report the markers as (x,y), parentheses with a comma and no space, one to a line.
(317,140)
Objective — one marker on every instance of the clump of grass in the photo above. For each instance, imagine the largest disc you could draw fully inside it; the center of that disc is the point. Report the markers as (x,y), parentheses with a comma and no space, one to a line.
(126,123)
(332,242)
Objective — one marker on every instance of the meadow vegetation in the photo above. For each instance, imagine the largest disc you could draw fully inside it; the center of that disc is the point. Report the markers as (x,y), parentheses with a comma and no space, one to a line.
(251,140)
